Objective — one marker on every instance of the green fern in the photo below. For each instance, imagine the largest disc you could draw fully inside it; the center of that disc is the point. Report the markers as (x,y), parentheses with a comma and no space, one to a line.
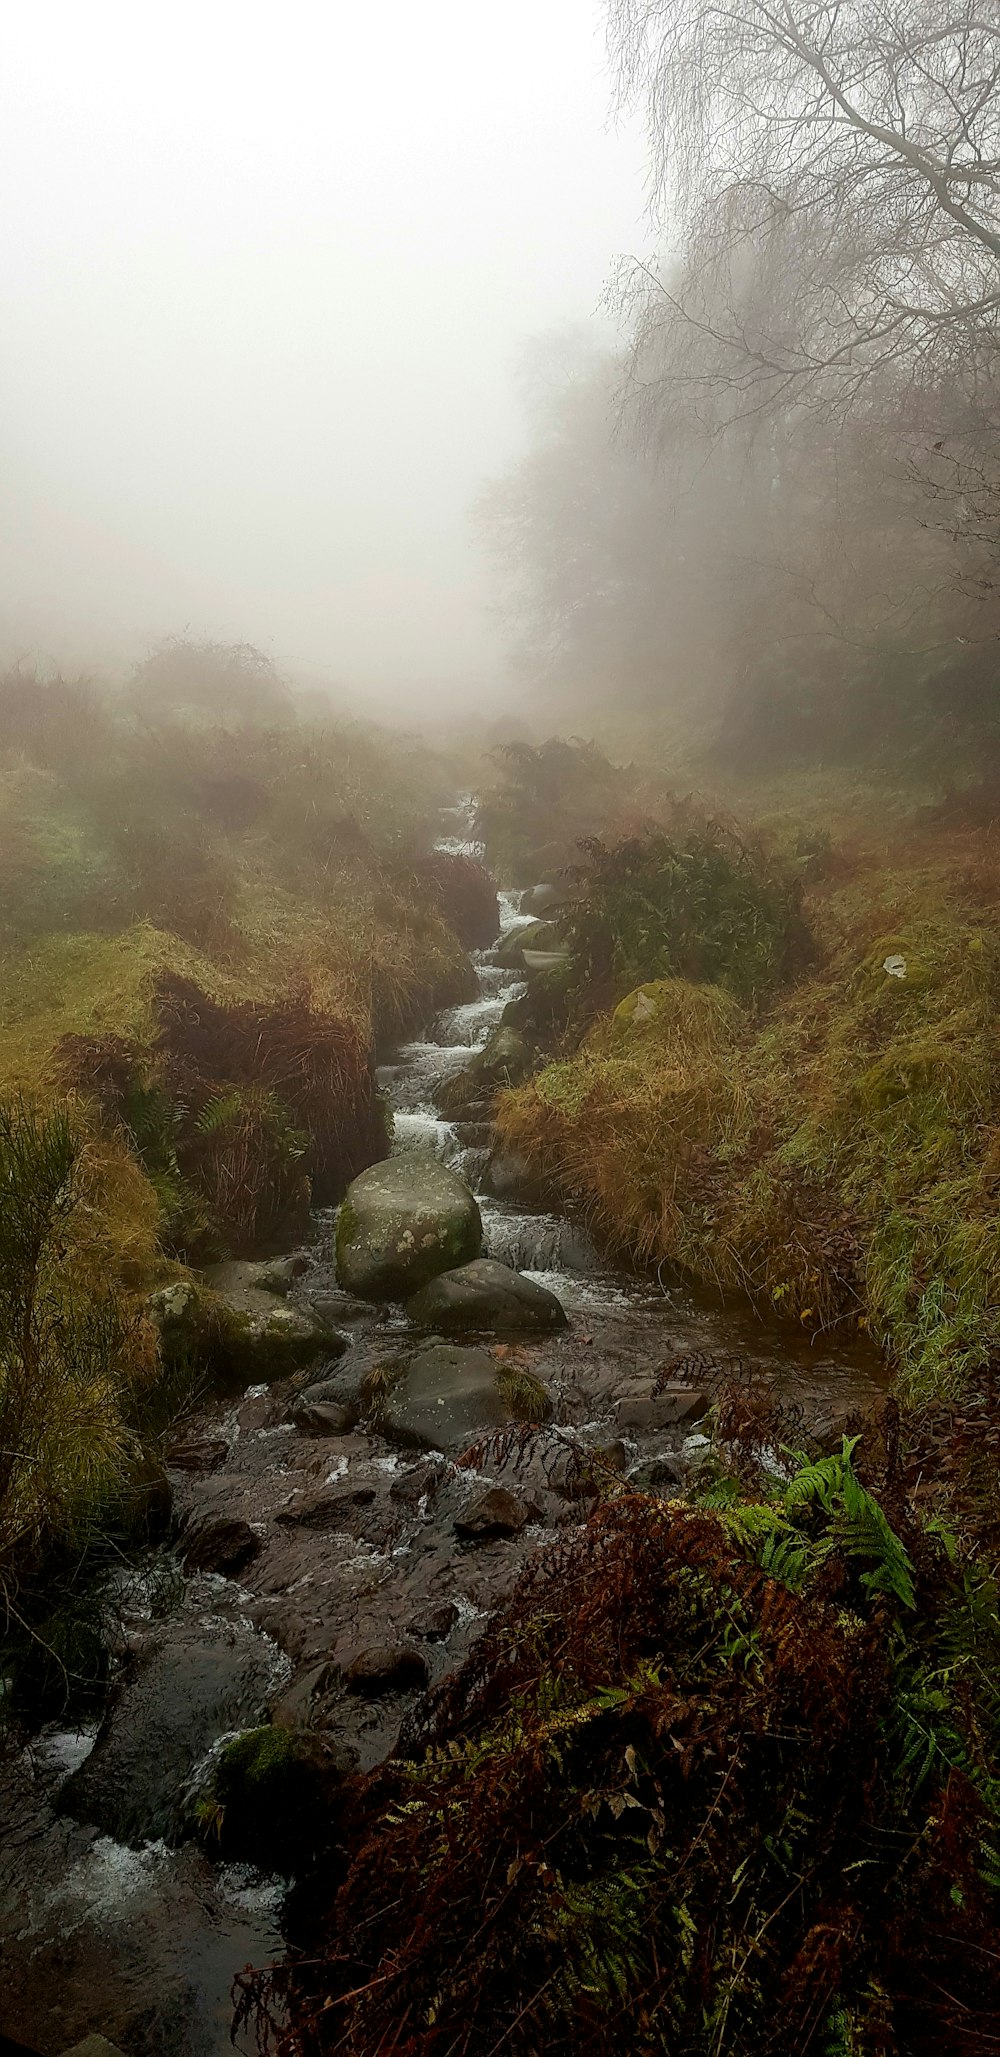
(858,1528)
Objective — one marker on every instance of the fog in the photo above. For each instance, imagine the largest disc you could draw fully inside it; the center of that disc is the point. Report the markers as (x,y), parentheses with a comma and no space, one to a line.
(268,274)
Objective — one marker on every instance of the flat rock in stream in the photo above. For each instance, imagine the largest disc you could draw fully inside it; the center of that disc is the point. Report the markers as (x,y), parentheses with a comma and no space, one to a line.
(485,1295)
(191,1689)
(447,1398)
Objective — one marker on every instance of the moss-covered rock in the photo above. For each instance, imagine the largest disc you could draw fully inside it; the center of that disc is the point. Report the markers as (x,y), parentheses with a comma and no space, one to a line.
(271,1796)
(401,1223)
(246,1342)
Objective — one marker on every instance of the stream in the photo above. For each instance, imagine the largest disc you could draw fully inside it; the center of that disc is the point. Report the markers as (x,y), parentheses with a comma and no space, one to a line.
(111,1918)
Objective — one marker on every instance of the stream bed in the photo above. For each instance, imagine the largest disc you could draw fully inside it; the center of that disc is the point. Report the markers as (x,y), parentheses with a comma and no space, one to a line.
(111,1918)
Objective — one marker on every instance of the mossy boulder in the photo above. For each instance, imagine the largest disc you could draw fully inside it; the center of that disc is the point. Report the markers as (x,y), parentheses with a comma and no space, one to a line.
(401,1223)
(271,1796)
(239,1341)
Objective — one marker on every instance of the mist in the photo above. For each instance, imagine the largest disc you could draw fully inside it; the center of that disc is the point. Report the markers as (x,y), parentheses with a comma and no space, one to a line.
(267,281)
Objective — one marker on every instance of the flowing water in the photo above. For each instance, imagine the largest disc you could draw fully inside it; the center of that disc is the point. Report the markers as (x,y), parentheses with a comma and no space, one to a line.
(109,1919)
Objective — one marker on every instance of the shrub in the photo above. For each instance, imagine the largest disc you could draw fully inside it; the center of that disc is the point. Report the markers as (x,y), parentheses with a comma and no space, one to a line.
(701,904)
(546,798)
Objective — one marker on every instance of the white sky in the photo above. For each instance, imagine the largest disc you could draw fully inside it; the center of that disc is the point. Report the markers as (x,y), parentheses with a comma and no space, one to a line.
(267,271)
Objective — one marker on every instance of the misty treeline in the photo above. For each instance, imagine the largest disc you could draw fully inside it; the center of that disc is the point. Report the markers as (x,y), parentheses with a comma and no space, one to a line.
(775,513)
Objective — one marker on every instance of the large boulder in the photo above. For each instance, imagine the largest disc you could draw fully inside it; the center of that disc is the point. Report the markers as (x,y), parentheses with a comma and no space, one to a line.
(448,1397)
(401,1223)
(270,1795)
(484,1295)
(199,1683)
(243,1336)
(527,935)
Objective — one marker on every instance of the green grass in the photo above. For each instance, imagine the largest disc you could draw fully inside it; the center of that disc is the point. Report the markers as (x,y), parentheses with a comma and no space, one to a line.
(835,1154)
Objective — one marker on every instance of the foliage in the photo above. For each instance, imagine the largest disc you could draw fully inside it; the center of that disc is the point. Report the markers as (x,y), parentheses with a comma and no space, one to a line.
(832,1153)
(219,680)
(545,799)
(676,1803)
(699,903)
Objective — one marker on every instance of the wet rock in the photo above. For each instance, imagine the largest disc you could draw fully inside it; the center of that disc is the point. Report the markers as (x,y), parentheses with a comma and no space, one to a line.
(418,1482)
(334,1509)
(281,1273)
(334,1308)
(665,1473)
(485,1295)
(447,1398)
(344,1386)
(198,1454)
(223,1545)
(674,1407)
(508,1175)
(324,1417)
(401,1223)
(245,1337)
(386,1668)
(299,1700)
(270,1797)
(260,1409)
(531,935)
(505,1060)
(435,1623)
(282,1341)
(540,900)
(492,1513)
(240,1281)
(193,1688)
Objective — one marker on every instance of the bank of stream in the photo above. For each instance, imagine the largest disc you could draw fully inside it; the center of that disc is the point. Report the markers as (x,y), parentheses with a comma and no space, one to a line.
(360,1583)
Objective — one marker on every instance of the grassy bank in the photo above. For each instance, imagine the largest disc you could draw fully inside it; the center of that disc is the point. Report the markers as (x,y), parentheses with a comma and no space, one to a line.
(205,928)
(830,1144)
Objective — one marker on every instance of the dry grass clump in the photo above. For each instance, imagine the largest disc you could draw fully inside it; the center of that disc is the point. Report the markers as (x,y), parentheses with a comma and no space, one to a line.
(465,894)
(239,1113)
(835,1155)
(77,1238)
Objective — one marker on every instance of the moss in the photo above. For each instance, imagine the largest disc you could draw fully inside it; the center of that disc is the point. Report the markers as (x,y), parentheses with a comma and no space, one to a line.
(270,1796)
(522,1393)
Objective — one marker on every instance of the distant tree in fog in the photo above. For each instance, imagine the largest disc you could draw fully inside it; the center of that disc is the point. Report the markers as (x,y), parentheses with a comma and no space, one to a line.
(219,681)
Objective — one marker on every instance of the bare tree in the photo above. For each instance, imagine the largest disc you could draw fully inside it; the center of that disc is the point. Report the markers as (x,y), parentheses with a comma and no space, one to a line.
(828,172)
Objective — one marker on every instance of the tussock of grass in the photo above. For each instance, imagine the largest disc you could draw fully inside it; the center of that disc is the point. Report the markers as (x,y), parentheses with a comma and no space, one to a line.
(74,1341)
(837,1156)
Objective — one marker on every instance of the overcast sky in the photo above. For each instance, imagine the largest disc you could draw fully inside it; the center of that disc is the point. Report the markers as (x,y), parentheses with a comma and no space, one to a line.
(267,272)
